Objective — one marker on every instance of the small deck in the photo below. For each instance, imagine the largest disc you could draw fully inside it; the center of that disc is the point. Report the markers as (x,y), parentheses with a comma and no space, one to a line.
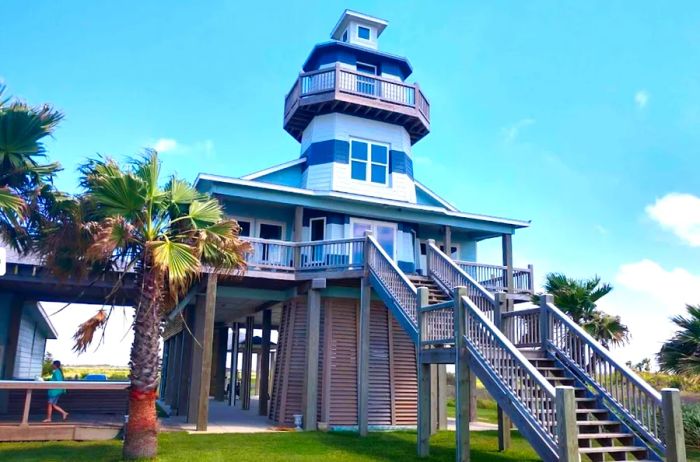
(364,95)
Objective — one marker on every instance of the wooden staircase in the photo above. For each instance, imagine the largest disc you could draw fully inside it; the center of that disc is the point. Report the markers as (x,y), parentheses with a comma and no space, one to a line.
(601,437)
(436,294)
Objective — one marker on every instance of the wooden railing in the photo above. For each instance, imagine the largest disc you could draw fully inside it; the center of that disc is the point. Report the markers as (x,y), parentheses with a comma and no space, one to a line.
(522,327)
(357,83)
(392,278)
(286,256)
(30,386)
(530,391)
(634,400)
(494,277)
(437,324)
(450,275)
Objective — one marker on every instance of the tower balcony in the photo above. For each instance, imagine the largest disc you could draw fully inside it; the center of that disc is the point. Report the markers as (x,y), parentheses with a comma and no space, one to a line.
(355,93)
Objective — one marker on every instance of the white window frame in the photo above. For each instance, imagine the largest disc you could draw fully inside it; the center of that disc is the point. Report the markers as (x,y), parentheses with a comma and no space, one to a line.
(368,65)
(369,162)
(270,222)
(373,224)
(364,27)
(249,220)
(311,227)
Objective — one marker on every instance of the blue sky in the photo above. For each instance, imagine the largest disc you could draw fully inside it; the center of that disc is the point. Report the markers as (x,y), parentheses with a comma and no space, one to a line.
(583,118)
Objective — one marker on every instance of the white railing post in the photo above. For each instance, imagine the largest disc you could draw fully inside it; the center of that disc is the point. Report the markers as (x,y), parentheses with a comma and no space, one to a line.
(531,282)
(567,432)
(462,372)
(428,246)
(673,425)
(545,299)
(424,427)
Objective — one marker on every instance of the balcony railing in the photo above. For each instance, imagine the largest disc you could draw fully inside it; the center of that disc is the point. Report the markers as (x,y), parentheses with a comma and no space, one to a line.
(286,256)
(359,84)
(494,277)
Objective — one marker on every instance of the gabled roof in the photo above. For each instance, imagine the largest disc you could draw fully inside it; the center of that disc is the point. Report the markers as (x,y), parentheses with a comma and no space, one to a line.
(348,15)
(285,174)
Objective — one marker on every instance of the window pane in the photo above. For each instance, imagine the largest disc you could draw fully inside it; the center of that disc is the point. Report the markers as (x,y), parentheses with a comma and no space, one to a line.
(268,231)
(363,32)
(379,154)
(358,229)
(359,150)
(385,237)
(245,228)
(358,170)
(379,174)
(317,230)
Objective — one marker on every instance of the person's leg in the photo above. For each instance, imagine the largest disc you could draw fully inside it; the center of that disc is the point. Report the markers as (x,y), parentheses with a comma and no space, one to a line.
(49,412)
(59,409)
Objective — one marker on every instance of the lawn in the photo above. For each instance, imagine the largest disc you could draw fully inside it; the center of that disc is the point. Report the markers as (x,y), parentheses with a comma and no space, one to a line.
(278,447)
(486,410)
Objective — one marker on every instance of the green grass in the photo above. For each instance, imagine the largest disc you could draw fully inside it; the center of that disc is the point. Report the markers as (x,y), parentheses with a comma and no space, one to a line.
(693,454)
(486,410)
(278,447)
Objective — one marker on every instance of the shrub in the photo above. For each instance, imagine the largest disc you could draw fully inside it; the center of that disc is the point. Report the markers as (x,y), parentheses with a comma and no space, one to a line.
(691,425)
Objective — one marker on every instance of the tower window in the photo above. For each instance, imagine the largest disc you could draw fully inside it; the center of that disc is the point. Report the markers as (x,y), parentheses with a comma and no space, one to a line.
(369,162)
(345,36)
(363,32)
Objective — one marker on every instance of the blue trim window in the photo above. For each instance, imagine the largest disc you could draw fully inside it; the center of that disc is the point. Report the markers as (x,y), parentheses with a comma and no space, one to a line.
(363,32)
(369,162)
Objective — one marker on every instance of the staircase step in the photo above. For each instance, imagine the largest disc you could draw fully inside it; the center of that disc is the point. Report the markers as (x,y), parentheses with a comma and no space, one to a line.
(593,436)
(612,449)
(597,423)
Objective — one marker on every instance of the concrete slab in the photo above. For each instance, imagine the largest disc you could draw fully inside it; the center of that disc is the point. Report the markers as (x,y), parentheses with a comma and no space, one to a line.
(473,426)
(224,419)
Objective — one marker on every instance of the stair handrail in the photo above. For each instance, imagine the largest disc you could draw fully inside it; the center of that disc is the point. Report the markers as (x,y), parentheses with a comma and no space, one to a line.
(401,288)
(635,399)
(526,386)
(456,276)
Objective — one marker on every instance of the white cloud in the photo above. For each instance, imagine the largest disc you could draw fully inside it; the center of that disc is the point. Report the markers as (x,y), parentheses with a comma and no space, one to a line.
(641,98)
(680,214)
(510,133)
(163,145)
(646,296)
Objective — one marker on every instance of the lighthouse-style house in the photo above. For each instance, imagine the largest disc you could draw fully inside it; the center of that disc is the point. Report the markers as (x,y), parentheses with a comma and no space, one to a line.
(355,265)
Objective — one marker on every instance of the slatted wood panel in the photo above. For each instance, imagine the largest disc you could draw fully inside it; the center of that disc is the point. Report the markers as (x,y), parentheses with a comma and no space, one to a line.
(278,383)
(343,362)
(321,363)
(379,403)
(404,375)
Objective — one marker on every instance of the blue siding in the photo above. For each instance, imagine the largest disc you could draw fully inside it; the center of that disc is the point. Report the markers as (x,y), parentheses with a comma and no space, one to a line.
(325,152)
(332,52)
(260,211)
(424,199)
(5,305)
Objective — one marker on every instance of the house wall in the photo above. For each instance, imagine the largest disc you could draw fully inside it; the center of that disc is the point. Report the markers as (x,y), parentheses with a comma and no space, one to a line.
(392,387)
(257,213)
(31,347)
(326,145)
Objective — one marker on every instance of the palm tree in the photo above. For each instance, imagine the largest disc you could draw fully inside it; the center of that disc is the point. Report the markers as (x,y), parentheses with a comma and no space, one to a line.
(27,196)
(165,234)
(681,353)
(578,299)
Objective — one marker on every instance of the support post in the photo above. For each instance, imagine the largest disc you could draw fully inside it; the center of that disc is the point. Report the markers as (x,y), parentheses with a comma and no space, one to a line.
(507,247)
(202,358)
(235,339)
(424,424)
(673,425)
(442,396)
(462,382)
(27,406)
(247,373)
(567,432)
(219,375)
(313,332)
(264,373)
(545,299)
(504,424)
(448,241)
(298,223)
(363,359)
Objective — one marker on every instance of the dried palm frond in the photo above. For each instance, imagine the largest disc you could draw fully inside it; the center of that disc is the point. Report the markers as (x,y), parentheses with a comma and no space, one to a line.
(86,331)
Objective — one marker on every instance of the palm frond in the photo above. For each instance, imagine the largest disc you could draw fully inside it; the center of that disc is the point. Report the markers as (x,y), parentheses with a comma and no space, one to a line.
(178,260)
(86,331)
(11,203)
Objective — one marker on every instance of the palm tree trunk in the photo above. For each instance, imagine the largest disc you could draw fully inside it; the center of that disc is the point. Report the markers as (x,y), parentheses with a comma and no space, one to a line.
(140,440)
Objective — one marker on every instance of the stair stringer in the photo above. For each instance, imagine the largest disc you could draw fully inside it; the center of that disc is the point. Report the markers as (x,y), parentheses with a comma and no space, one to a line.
(511,406)
(614,408)
(396,309)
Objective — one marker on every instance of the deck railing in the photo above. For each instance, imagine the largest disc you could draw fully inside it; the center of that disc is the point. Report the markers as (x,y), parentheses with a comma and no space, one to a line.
(450,275)
(507,365)
(494,277)
(357,83)
(635,401)
(392,278)
(286,256)
(522,327)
